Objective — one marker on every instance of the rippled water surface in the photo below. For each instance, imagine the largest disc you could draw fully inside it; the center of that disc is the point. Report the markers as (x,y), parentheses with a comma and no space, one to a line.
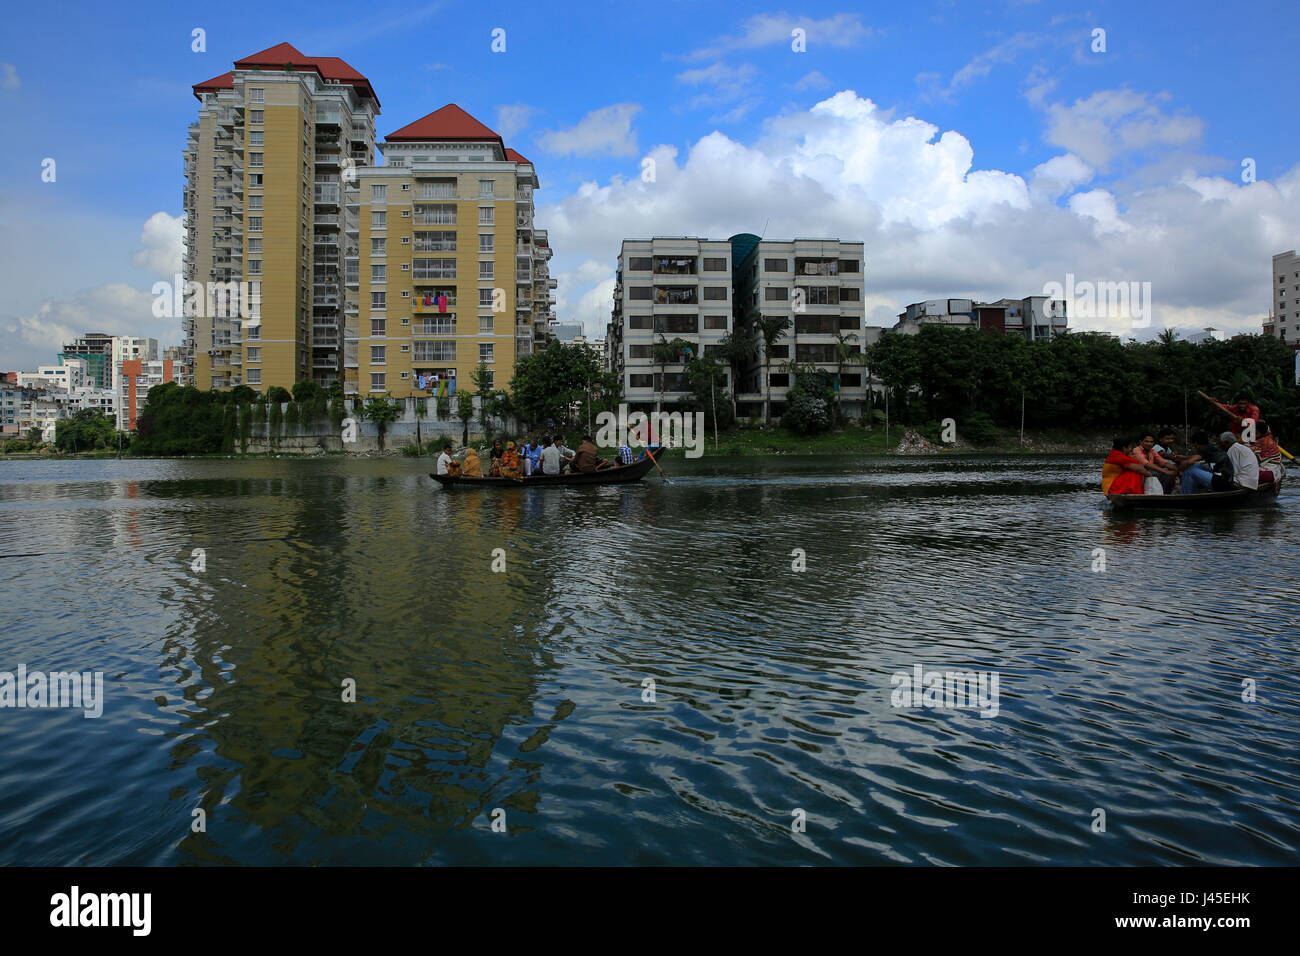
(526,691)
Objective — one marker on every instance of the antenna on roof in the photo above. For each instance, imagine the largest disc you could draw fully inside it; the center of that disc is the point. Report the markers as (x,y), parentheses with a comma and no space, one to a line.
(764,232)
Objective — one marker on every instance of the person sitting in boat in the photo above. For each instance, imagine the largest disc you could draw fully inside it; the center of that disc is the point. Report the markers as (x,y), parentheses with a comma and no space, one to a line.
(1209,469)
(1122,474)
(472,468)
(566,454)
(494,459)
(445,461)
(626,455)
(1168,451)
(1158,466)
(1268,452)
(533,457)
(510,467)
(1245,466)
(587,457)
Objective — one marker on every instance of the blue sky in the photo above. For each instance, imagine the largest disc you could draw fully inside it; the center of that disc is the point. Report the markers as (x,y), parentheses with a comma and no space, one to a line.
(983,149)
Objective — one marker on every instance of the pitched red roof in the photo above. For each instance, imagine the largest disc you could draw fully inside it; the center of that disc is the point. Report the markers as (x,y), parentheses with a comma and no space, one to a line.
(282,54)
(449,124)
(515,157)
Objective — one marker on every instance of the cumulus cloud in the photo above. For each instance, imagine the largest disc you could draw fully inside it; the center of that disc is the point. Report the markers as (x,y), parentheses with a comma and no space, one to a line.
(163,238)
(115,308)
(720,84)
(934,224)
(513,118)
(768,29)
(607,130)
(1111,122)
(9,80)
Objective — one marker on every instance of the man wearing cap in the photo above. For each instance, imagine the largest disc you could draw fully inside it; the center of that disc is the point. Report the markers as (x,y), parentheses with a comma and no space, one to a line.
(1245,466)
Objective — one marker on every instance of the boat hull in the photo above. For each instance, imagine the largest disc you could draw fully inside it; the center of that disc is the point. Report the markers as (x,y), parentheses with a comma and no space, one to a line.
(1206,501)
(605,476)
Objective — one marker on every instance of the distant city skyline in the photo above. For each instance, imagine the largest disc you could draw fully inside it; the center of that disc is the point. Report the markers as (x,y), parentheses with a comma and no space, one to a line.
(973,151)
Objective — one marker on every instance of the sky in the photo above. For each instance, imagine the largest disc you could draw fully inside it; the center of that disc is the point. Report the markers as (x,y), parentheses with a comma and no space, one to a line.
(980,150)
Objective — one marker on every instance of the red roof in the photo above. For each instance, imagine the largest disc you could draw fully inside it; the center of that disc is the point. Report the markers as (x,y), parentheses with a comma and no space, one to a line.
(449,124)
(514,156)
(286,54)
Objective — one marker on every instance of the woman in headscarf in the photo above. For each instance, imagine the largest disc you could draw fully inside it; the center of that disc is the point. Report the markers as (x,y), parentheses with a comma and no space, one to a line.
(494,466)
(1266,449)
(510,467)
(472,468)
(1122,474)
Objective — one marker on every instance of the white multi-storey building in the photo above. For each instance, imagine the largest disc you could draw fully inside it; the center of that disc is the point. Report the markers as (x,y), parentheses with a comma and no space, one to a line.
(1284,323)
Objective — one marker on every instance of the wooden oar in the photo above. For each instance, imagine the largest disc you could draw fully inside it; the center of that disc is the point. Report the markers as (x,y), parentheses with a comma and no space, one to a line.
(652,458)
(1225,408)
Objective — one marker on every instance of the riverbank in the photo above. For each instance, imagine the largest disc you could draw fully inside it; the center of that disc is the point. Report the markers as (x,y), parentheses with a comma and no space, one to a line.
(851,440)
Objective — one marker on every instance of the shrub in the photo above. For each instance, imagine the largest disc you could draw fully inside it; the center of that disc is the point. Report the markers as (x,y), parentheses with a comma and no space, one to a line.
(806,414)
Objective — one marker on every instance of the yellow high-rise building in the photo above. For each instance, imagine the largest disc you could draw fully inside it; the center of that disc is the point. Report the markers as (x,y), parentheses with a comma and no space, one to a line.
(445,269)
(265,164)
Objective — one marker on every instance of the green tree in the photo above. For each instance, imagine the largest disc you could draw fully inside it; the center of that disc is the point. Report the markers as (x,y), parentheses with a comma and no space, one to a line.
(678,351)
(464,411)
(278,394)
(86,430)
(383,411)
(846,353)
(738,348)
(770,329)
(556,381)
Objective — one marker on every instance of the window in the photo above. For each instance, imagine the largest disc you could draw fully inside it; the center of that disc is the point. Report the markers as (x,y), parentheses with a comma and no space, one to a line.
(640,351)
(255,246)
(781,380)
(486,215)
(379,301)
(674,265)
(676,295)
(433,268)
(780,351)
(434,351)
(255,116)
(378,273)
(255,180)
(486,189)
(638,321)
(848,265)
(377,326)
(442,214)
(816,324)
(485,352)
(255,353)
(485,298)
(677,323)
(406,241)
(640,381)
(378,247)
(485,269)
(254,267)
(485,325)
(849,295)
(255,202)
(405,348)
(715,265)
(487,242)
(254,223)
(377,354)
(821,294)
(776,265)
(849,322)
(255,159)
(638,292)
(850,381)
(257,96)
(405,187)
(775,294)
(639,264)
(377,381)
(255,138)
(716,293)
(441,241)
(378,193)
(715,321)
(824,354)
(378,219)
(254,376)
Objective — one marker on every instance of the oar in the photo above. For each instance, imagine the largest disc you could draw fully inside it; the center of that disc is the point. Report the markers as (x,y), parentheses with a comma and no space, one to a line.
(1225,408)
(652,458)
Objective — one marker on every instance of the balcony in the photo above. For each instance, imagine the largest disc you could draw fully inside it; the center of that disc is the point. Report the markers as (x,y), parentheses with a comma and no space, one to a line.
(325,301)
(419,307)
(434,327)
(328,117)
(323,361)
(329,221)
(328,158)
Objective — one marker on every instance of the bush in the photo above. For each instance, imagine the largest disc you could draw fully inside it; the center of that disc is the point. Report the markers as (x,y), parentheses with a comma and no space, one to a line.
(978,429)
(806,414)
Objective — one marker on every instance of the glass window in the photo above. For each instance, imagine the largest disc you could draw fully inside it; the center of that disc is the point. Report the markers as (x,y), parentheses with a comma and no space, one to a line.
(378,246)
(377,354)
(485,269)
(255,159)
(377,381)
(485,352)
(378,193)
(378,219)
(776,265)
(487,242)
(639,264)
(378,273)
(379,301)
(378,326)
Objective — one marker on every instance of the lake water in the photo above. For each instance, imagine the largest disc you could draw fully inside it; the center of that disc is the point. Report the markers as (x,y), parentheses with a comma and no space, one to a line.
(769,734)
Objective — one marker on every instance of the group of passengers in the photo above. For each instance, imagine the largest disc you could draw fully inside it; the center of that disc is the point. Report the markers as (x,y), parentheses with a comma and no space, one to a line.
(545,456)
(1247,456)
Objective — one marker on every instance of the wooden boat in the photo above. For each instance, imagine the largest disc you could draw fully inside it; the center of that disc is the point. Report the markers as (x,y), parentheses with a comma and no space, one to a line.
(1206,501)
(618,475)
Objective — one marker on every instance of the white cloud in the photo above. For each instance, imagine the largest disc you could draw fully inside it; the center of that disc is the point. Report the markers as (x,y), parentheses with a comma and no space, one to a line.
(812,81)
(768,29)
(1111,122)
(934,225)
(115,308)
(163,238)
(607,130)
(720,84)
(10,80)
(513,118)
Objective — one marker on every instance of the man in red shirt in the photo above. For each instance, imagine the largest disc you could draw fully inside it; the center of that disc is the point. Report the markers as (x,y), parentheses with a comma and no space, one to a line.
(1240,411)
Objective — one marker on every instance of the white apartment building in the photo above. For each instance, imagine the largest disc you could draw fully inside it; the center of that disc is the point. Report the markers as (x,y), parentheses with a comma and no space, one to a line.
(1284,324)
(1035,316)
(818,284)
(667,288)
(73,373)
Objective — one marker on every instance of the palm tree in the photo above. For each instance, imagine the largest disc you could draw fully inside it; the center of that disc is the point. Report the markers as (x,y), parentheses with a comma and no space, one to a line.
(770,328)
(738,348)
(383,412)
(667,353)
(421,409)
(845,354)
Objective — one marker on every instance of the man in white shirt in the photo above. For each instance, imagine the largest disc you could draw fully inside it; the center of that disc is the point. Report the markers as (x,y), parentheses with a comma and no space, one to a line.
(444,460)
(567,454)
(551,458)
(1245,466)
